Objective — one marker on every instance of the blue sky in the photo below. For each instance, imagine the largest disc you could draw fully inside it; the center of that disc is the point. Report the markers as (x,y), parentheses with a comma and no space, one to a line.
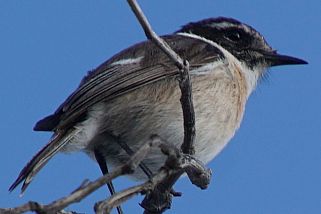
(272,165)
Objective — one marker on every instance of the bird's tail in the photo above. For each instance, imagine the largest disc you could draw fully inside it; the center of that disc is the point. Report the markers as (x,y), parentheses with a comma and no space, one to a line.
(26,175)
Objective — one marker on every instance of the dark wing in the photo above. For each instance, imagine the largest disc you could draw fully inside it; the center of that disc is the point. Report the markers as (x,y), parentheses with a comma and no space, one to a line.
(115,77)
(111,79)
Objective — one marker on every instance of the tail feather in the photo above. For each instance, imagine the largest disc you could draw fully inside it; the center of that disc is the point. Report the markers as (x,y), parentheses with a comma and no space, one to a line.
(40,159)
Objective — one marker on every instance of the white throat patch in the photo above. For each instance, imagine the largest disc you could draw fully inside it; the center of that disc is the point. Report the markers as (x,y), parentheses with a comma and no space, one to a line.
(251,76)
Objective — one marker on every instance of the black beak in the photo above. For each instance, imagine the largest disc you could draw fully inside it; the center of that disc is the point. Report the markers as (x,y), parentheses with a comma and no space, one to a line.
(275,59)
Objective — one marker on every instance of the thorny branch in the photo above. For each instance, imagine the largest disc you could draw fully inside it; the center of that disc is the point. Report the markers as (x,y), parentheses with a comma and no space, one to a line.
(158,189)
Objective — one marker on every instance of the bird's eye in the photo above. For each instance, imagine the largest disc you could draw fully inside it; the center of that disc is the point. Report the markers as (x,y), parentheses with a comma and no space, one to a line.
(233,36)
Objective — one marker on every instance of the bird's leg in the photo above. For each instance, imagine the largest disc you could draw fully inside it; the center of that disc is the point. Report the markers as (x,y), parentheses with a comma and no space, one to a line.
(143,166)
(130,152)
(104,169)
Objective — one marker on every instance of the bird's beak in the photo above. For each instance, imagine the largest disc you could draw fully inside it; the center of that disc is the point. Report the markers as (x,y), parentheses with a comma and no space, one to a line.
(275,59)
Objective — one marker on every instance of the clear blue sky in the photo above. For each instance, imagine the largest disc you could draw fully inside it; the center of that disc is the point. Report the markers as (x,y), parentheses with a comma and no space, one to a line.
(273,165)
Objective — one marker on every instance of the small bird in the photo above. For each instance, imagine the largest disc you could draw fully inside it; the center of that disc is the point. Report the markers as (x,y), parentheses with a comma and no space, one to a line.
(135,94)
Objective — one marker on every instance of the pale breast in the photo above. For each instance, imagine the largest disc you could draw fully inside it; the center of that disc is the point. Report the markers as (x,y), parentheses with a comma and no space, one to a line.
(219,100)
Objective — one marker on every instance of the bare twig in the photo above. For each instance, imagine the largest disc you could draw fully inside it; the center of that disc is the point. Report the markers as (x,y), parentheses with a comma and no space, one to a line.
(160,198)
(150,34)
(198,174)
(158,194)
(158,189)
(106,206)
(33,207)
(161,194)
(175,162)
(185,83)
(30,206)
(85,189)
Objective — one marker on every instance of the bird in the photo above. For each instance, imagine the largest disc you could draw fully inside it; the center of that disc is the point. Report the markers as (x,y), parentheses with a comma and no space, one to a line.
(135,94)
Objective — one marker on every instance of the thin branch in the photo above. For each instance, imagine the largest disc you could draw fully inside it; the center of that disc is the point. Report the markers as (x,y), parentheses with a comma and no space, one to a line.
(76,196)
(127,168)
(158,189)
(186,100)
(175,162)
(185,83)
(196,171)
(106,206)
(161,194)
(31,206)
(158,194)
(151,35)
(85,189)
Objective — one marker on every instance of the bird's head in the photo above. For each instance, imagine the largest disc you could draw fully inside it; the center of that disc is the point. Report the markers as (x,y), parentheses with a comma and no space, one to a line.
(241,40)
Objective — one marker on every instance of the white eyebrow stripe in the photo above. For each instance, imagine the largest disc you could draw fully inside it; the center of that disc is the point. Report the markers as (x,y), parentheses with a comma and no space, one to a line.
(127,61)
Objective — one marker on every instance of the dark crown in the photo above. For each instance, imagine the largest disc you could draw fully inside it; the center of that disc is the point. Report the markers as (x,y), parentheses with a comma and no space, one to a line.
(239,39)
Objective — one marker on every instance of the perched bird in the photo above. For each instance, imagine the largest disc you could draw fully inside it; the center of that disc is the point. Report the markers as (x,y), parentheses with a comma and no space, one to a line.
(135,94)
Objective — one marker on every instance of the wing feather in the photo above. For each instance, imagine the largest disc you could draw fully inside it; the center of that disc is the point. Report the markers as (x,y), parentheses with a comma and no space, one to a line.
(113,79)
